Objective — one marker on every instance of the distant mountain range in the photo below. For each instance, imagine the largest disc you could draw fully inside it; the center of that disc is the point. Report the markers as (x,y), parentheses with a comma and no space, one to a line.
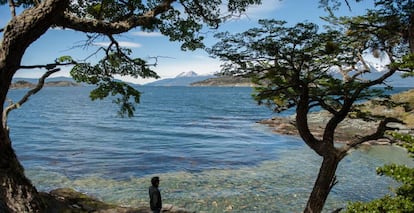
(191,78)
(183,79)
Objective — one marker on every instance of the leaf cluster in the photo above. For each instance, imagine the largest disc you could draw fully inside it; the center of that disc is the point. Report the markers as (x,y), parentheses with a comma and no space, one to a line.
(102,74)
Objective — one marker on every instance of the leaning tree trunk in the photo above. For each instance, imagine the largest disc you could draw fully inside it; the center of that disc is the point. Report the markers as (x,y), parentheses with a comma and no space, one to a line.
(323,184)
(17,194)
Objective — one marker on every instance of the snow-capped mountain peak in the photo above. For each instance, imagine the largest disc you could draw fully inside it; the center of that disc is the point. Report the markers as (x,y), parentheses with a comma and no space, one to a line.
(187,74)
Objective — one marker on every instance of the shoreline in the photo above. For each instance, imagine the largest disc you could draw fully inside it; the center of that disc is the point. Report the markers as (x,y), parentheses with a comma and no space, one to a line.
(69,200)
(346,131)
(279,125)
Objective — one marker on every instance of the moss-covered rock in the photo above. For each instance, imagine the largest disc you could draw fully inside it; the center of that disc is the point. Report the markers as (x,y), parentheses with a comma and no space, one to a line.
(66,200)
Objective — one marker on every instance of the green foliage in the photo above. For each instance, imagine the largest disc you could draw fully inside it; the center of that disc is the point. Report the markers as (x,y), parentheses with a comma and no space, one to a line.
(386,204)
(407,141)
(287,62)
(65,59)
(406,63)
(123,94)
(102,75)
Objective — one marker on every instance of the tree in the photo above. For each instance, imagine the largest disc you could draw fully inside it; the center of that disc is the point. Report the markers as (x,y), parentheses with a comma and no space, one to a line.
(180,20)
(300,67)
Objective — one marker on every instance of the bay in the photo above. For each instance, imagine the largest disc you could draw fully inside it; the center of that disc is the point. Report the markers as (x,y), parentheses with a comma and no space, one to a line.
(203,142)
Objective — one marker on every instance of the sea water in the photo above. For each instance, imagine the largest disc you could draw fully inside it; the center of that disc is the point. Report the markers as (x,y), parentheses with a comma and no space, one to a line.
(203,142)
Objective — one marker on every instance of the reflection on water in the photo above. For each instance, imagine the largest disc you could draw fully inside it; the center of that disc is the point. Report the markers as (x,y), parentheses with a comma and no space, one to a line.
(272,186)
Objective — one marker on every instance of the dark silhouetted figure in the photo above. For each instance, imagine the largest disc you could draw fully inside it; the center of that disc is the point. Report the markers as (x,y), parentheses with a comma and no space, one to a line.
(155,195)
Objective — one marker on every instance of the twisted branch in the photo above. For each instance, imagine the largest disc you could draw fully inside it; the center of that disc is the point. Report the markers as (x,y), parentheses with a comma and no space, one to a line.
(380,133)
(91,25)
(26,97)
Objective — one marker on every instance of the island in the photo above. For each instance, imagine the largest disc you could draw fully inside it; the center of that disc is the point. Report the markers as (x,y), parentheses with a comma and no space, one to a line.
(26,84)
(225,81)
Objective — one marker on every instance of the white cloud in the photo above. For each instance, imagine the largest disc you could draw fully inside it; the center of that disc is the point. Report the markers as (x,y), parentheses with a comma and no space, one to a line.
(147,34)
(37,73)
(121,43)
(266,7)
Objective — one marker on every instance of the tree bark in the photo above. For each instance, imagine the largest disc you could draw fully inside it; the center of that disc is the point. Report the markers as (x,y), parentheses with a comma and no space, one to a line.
(323,184)
(17,194)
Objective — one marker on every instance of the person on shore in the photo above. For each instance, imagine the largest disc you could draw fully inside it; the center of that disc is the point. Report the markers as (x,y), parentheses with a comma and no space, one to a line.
(155,195)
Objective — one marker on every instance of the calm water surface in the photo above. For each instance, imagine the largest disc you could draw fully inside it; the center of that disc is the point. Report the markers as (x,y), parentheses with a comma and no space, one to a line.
(204,143)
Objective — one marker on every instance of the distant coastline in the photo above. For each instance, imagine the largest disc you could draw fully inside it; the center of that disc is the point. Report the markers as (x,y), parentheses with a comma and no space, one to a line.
(22,84)
(225,81)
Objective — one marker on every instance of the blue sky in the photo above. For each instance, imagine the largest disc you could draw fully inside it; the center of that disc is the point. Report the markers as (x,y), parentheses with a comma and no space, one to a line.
(172,60)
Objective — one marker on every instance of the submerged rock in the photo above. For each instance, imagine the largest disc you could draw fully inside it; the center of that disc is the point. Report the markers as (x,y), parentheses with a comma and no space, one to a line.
(70,201)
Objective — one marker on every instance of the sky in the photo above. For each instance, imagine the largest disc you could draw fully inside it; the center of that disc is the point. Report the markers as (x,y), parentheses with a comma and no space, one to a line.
(171,60)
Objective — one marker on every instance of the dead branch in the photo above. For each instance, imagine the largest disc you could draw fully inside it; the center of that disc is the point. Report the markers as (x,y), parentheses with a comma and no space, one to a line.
(12,6)
(380,133)
(26,97)
(361,71)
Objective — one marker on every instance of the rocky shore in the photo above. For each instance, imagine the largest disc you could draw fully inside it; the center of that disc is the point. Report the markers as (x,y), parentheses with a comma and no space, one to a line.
(346,131)
(350,129)
(67,200)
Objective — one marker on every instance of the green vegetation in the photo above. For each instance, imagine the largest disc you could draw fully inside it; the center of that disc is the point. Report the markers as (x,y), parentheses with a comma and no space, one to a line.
(225,81)
(403,201)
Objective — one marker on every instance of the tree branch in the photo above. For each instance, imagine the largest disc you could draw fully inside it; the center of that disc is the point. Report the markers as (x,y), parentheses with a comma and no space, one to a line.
(380,133)
(47,66)
(97,26)
(200,8)
(33,91)
(12,6)
(385,76)
(302,123)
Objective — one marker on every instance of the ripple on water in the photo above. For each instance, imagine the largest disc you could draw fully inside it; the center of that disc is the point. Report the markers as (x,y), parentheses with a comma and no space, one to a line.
(281,185)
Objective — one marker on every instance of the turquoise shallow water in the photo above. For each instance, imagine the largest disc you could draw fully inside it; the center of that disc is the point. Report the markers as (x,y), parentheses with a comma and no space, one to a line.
(204,143)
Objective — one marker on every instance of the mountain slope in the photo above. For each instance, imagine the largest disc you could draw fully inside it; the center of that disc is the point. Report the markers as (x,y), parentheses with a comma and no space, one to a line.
(183,79)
